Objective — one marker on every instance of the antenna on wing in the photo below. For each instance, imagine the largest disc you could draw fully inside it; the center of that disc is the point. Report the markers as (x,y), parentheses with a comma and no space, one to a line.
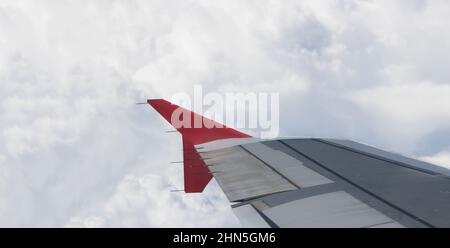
(177,190)
(194,159)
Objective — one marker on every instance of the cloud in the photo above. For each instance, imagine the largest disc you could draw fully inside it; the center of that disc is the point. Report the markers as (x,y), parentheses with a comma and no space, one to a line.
(419,108)
(76,151)
(144,200)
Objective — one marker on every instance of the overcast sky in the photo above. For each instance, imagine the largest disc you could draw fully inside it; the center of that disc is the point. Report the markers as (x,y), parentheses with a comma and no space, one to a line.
(76,151)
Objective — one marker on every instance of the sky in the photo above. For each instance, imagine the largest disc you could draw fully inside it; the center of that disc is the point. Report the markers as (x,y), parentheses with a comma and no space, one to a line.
(76,151)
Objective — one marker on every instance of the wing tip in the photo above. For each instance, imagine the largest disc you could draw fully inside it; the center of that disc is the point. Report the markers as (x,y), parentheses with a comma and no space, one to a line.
(155,101)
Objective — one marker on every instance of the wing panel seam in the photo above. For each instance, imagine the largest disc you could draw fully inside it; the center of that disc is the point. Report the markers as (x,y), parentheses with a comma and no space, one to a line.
(357,185)
(374,156)
(265,163)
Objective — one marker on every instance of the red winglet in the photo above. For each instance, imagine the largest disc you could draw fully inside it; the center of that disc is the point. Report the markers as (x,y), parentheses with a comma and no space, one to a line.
(196,173)
(196,135)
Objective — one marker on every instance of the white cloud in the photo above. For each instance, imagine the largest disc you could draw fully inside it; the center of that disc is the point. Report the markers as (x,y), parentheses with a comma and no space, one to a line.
(76,151)
(419,109)
(145,200)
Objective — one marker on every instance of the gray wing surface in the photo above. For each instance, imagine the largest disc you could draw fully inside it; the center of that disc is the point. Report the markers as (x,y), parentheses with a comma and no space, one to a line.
(329,183)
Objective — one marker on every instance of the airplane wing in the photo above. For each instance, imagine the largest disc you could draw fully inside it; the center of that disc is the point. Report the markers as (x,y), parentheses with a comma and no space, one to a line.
(311,182)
